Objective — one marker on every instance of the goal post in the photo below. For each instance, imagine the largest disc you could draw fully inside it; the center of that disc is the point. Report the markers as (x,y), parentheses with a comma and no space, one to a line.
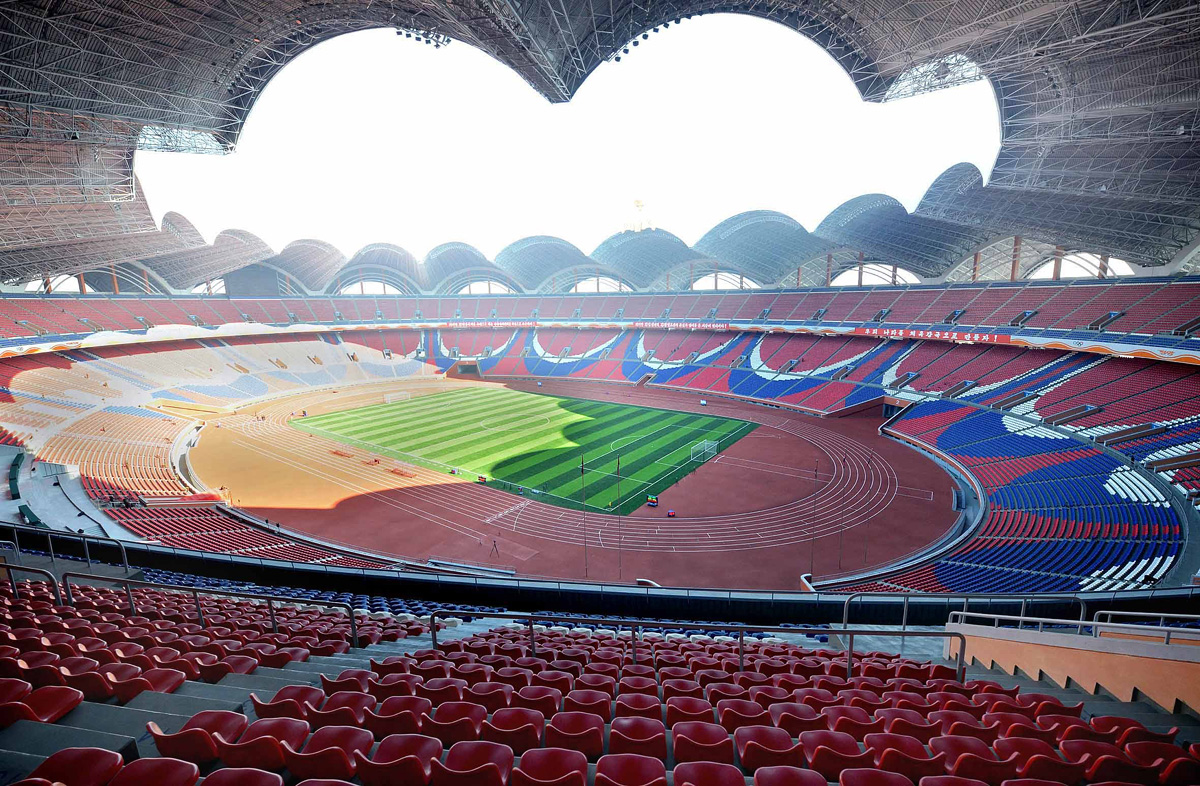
(399,395)
(704,450)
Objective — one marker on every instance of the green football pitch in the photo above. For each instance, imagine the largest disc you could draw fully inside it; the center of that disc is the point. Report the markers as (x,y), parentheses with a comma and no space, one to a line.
(536,442)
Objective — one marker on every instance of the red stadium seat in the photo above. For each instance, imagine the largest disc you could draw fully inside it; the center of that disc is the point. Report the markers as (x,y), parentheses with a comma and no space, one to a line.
(971,757)
(766,695)
(454,721)
(550,767)
(869,777)
(293,701)
(767,746)
(681,687)
(638,705)
(707,773)
(241,776)
(474,764)
(1106,762)
(629,769)
(787,776)
(12,689)
(1130,730)
(79,767)
(733,714)
(579,731)
(194,742)
(830,752)
(328,753)
(344,708)
(400,758)
(542,698)
(157,771)
(633,685)
(910,723)
(492,695)
(687,708)
(600,682)
(854,721)
(259,745)
(561,681)
(1175,767)
(593,701)
(442,689)
(796,718)
(1037,759)
(516,727)
(44,705)
(696,741)
(396,715)
(905,755)
(394,685)
(643,736)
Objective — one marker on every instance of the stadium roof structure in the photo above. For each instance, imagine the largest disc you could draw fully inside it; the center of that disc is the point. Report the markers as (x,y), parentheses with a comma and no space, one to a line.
(1099,105)
(543,263)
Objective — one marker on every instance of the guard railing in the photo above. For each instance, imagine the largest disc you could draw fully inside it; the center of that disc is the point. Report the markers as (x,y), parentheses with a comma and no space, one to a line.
(953,597)
(196,593)
(1092,628)
(50,534)
(49,580)
(636,627)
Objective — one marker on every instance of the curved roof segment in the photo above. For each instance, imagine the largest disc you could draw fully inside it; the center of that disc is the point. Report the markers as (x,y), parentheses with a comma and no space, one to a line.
(549,263)
(386,262)
(451,266)
(880,226)
(763,245)
(232,250)
(311,262)
(641,258)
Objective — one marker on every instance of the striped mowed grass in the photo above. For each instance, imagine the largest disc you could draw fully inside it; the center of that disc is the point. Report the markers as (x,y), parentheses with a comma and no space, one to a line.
(536,442)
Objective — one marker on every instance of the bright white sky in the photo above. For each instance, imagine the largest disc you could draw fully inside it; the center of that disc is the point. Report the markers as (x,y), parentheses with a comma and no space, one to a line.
(372,137)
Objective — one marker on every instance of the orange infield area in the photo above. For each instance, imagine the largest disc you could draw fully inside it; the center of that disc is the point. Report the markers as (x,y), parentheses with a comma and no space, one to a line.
(799,491)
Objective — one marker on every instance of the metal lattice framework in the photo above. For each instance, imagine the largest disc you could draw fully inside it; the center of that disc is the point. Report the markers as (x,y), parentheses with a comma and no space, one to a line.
(1099,100)
(550,264)
(644,258)
(232,250)
(763,245)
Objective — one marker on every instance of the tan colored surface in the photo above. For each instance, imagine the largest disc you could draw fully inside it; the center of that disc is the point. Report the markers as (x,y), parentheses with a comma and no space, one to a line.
(1165,682)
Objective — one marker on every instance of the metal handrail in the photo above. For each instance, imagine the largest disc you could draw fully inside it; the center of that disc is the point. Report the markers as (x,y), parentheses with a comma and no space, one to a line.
(17,593)
(16,549)
(1162,618)
(959,617)
(742,630)
(196,592)
(967,597)
(49,534)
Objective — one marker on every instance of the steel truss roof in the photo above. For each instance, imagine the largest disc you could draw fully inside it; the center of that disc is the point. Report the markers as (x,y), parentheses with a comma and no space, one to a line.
(1099,99)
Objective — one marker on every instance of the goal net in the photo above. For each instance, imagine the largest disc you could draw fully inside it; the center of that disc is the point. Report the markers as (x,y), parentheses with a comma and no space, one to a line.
(400,395)
(704,450)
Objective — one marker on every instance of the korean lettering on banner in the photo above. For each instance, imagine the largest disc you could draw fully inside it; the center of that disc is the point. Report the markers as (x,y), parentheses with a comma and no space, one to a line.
(937,335)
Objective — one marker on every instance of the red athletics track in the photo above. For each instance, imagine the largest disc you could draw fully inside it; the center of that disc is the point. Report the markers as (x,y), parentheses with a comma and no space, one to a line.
(799,490)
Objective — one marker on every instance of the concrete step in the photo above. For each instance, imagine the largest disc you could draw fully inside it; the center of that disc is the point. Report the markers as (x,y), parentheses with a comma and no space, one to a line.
(16,766)
(223,693)
(186,706)
(261,684)
(44,739)
(127,720)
